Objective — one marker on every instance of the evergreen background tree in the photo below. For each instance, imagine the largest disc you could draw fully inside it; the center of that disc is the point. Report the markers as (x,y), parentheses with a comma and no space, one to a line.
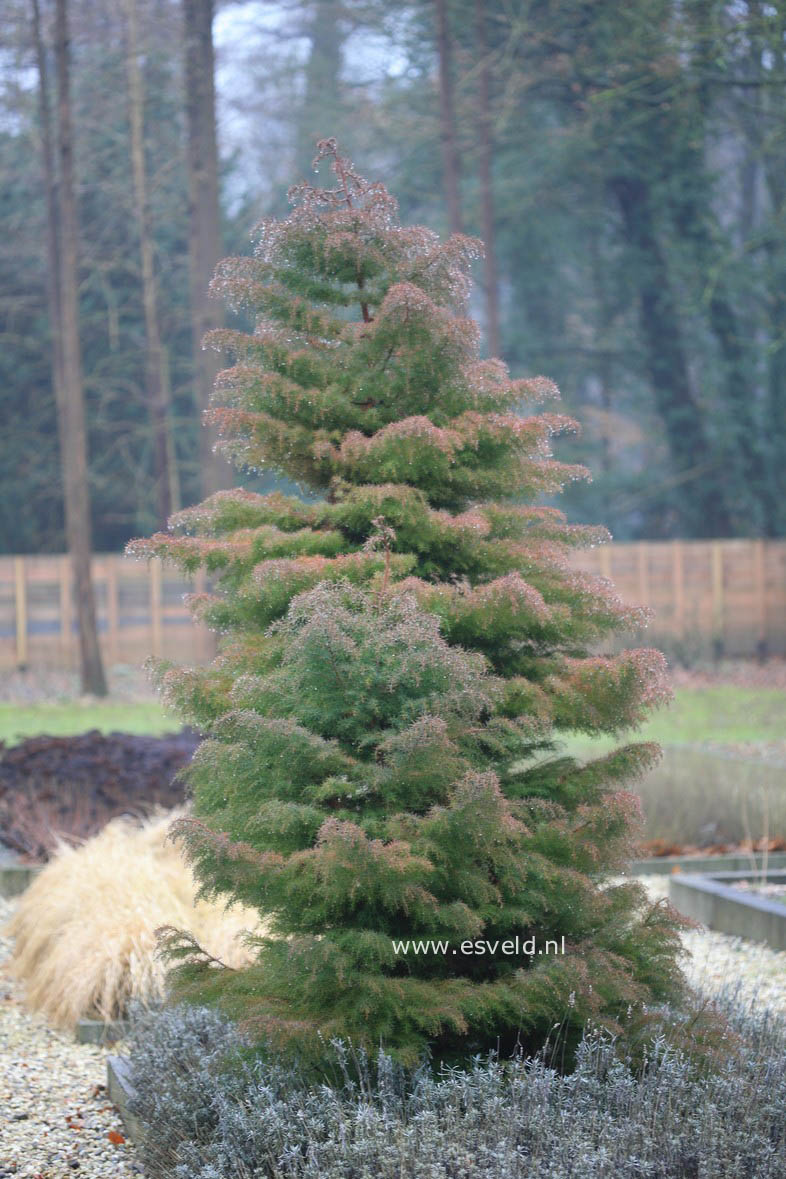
(647,283)
(400,657)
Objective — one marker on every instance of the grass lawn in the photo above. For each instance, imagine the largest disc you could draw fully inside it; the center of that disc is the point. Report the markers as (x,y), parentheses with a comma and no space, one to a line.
(722,777)
(64,718)
(723,714)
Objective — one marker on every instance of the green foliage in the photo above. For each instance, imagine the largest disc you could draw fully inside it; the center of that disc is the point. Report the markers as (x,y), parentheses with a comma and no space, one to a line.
(399,661)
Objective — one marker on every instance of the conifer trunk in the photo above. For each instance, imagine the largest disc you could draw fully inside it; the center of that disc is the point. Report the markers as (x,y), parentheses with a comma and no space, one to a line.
(71,410)
(775,179)
(50,185)
(733,329)
(447,119)
(700,511)
(321,112)
(155,358)
(485,154)
(204,245)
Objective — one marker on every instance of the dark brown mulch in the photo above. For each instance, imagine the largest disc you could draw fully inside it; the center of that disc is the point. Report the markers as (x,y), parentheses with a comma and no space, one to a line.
(662,847)
(72,786)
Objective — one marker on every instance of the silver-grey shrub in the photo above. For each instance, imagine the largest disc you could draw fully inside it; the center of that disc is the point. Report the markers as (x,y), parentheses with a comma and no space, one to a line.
(213,1113)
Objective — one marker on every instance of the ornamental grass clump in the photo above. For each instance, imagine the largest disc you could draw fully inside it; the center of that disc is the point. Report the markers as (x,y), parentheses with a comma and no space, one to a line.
(84,931)
(399,660)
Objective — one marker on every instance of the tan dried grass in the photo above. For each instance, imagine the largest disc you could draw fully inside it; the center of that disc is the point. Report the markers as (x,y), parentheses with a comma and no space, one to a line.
(84,930)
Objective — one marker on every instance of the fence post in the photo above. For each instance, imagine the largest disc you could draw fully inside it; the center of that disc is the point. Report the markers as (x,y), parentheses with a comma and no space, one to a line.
(155,605)
(64,581)
(678,585)
(761,599)
(736,604)
(718,619)
(20,610)
(207,644)
(111,609)
(643,570)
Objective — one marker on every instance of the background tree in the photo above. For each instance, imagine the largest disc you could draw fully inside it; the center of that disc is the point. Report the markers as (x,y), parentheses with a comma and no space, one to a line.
(156,366)
(648,282)
(322,103)
(451,166)
(204,234)
(71,415)
(401,658)
(49,172)
(486,180)
(111,306)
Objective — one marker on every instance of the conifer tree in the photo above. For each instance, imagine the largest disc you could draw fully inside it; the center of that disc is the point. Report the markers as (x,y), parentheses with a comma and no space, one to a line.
(399,659)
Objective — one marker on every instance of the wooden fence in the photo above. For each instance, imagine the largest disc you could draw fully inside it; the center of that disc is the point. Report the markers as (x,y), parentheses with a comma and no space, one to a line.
(723,597)
(140,610)
(708,597)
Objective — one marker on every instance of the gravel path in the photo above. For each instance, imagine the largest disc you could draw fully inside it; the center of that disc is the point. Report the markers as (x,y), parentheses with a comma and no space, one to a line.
(55,1117)
(715,961)
(57,1120)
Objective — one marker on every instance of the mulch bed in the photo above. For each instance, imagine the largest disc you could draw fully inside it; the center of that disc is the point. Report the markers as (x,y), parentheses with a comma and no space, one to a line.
(656,848)
(72,786)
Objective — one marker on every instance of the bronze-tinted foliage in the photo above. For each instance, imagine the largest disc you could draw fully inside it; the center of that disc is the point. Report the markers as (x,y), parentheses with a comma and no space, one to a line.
(399,659)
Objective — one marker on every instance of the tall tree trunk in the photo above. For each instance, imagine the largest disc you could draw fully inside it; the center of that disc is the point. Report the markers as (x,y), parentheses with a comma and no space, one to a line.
(740,444)
(447,119)
(73,435)
(751,116)
(746,457)
(485,153)
(50,184)
(156,381)
(740,441)
(603,360)
(204,238)
(700,511)
(321,114)
(774,161)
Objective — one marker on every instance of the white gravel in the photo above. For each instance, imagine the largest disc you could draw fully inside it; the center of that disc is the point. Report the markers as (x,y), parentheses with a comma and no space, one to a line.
(55,1116)
(716,962)
(57,1119)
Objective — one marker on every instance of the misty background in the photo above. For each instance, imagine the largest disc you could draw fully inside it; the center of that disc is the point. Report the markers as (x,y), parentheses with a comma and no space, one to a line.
(625,164)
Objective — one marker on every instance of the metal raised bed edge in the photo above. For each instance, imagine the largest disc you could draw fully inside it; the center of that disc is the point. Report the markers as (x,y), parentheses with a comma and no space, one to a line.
(121,1092)
(712,900)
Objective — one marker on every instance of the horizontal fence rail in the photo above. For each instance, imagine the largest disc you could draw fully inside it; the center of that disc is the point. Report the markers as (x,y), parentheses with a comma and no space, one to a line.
(140,612)
(707,597)
(721,597)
